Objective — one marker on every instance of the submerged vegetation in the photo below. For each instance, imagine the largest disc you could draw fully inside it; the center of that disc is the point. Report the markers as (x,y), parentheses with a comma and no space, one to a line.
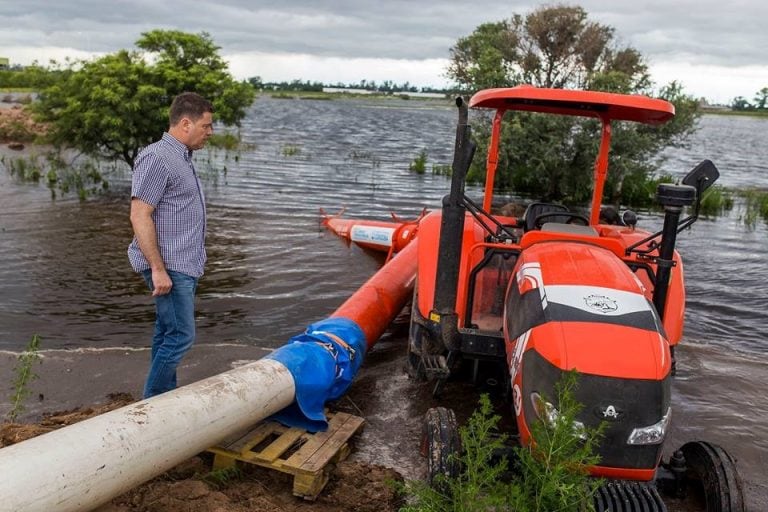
(419,164)
(716,201)
(289,150)
(546,477)
(756,206)
(82,178)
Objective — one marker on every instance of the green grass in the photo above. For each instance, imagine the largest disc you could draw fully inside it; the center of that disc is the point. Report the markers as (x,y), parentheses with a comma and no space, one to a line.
(746,113)
(24,377)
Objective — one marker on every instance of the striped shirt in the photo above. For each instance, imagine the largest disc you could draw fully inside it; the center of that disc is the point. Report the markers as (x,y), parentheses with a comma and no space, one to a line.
(164,177)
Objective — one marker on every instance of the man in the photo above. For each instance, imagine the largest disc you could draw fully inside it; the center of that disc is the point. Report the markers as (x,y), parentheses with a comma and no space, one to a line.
(168,248)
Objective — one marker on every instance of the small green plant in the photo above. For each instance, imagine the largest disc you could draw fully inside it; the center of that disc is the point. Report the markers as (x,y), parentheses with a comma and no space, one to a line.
(24,377)
(221,478)
(290,150)
(550,476)
(419,164)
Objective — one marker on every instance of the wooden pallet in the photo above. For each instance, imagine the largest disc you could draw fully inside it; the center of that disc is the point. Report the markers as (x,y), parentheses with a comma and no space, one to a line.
(292,450)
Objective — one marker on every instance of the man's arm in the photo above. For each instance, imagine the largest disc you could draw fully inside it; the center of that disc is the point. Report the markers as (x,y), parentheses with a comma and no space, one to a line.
(144,229)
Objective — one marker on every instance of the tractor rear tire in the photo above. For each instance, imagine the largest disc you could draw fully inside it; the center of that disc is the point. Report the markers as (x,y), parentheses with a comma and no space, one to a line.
(714,470)
(441,445)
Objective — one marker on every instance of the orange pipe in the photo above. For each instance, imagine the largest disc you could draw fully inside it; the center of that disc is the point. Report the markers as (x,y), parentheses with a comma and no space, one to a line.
(375,304)
(492,161)
(385,236)
(601,171)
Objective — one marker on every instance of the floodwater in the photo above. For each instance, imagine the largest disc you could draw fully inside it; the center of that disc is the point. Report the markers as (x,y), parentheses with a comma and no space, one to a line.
(64,273)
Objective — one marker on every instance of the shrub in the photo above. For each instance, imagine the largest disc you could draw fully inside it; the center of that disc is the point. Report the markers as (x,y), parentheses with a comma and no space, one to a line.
(551,475)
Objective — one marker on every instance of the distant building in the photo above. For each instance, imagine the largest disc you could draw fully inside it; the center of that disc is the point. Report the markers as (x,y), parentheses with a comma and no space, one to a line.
(349,90)
(5,63)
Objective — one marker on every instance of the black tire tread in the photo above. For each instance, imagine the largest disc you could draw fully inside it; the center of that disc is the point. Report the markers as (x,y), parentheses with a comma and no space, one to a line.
(440,443)
(716,470)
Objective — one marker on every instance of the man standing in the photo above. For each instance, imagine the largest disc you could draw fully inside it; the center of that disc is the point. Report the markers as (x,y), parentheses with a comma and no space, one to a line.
(168,248)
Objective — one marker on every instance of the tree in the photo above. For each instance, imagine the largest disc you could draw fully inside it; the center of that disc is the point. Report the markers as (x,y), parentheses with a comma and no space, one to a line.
(741,103)
(112,106)
(551,156)
(761,98)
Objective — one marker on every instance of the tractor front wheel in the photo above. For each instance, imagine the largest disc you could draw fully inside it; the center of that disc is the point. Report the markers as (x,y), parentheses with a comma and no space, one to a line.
(441,445)
(712,473)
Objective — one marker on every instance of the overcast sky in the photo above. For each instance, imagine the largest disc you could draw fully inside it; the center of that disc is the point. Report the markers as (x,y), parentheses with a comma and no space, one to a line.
(716,49)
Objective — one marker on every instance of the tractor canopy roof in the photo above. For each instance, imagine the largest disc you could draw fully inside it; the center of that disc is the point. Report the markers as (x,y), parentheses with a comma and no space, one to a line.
(605,106)
(608,106)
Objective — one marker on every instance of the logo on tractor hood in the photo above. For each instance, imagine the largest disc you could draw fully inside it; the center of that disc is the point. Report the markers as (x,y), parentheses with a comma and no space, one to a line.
(609,412)
(601,303)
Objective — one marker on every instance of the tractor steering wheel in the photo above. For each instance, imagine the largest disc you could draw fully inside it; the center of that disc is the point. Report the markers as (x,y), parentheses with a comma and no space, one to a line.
(573,218)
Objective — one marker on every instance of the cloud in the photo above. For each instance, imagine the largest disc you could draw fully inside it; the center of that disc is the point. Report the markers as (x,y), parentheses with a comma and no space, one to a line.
(359,39)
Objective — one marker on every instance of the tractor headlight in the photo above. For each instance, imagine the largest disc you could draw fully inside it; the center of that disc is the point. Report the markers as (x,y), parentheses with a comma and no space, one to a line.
(549,414)
(652,434)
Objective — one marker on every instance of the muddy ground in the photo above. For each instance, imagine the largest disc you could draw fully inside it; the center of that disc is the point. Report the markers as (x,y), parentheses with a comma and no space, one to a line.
(364,482)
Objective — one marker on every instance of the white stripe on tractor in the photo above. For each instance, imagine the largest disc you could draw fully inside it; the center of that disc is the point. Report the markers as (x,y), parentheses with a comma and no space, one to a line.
(597,299)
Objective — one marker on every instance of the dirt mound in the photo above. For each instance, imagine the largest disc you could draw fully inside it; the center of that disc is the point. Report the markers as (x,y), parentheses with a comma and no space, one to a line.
(354,487)
(193,487)
(18,126)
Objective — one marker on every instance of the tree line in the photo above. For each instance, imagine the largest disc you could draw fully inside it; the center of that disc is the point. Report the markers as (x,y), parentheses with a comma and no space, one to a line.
(760,101)
(384,87)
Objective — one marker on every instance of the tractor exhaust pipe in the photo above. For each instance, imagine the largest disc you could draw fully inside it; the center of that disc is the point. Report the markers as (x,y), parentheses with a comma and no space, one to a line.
(673,198)
(452,234)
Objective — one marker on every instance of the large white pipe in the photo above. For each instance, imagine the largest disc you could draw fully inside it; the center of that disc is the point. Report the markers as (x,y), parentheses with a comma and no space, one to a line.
(84,465)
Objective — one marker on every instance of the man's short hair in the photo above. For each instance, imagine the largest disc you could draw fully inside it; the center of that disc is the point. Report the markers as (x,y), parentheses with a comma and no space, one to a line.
(188,104)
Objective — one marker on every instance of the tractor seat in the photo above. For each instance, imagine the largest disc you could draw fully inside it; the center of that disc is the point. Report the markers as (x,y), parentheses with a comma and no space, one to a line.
(535,209)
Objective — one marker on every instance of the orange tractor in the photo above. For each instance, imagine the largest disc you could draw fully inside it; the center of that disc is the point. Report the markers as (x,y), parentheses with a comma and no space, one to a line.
(525,299)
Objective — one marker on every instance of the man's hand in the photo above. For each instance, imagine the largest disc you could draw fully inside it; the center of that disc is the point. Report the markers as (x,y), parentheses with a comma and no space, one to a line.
(161,282)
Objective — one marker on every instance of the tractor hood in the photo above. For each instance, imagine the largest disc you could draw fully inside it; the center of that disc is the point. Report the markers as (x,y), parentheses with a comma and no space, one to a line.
(582,308)
(575,306)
